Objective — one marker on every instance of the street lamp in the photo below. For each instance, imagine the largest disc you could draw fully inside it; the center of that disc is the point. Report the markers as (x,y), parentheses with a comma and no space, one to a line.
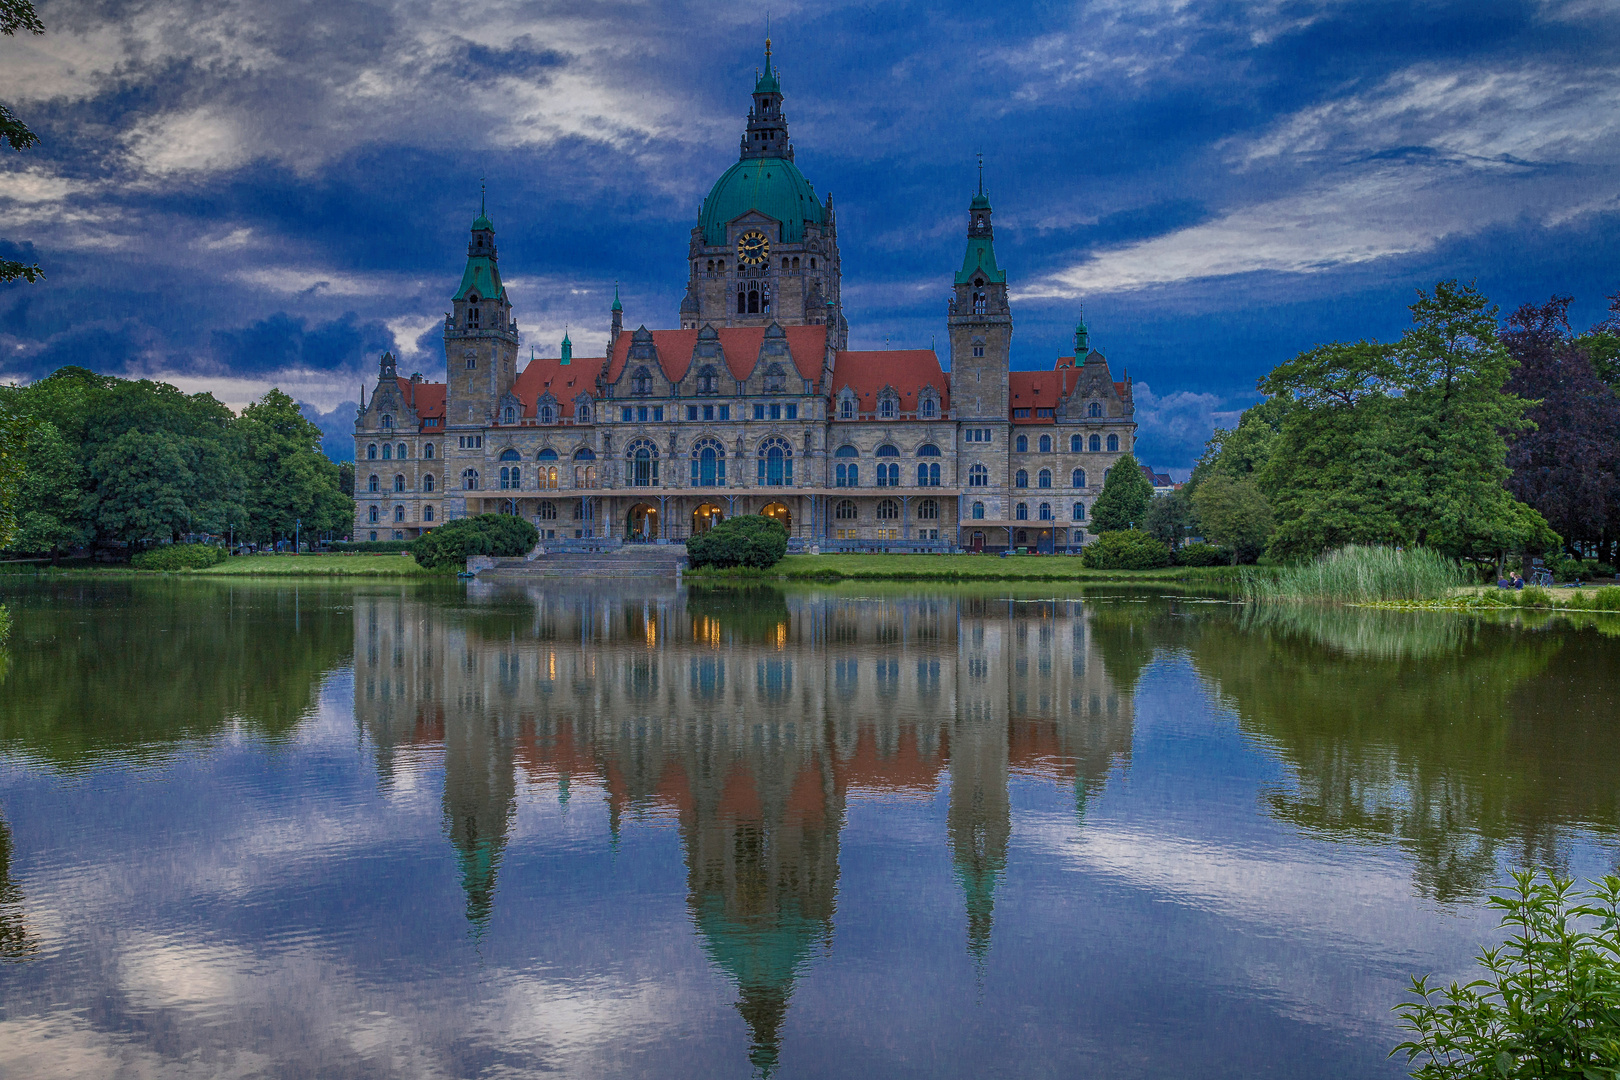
(298,524)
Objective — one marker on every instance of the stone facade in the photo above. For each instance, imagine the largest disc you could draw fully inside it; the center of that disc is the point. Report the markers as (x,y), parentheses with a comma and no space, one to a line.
(755,405)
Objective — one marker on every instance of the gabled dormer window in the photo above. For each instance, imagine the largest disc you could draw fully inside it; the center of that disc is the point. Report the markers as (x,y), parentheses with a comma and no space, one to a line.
(509,415)
(887,408)
(387,420)
(546,414)
(927,408)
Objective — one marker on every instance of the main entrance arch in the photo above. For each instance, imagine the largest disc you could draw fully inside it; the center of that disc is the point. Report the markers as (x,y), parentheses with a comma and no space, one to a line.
(706,517)
(779,512)
(642,522)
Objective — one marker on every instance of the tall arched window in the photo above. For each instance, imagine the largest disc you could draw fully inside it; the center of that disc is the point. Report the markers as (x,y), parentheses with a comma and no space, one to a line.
(928,510)
(1046,511)
(374,484)
(399,482)
(399,513)
(888,510)
(1096,443)
(1113,444)
(508,415)
(373,515)
(1079,512)
(742,302)
(427,482)
(387,421)
(775,463)
(1045,478)
(928,474)
(1077,478)
(927,408)
(1094,410)
(388,452)
(846,407)
(847,471)
(1076,443)
(469,479)
(888,473)
(582,413)
(1021,479)
(845,511)
(402,452)
(511,478)
(371,452)
(1021,444)
(1046,444)
(427,451)
(708,463)
(546,414)
(642,456)
(427,513)
(1022,512)
(978,511)
(641,382)
(887,408)
(978,476)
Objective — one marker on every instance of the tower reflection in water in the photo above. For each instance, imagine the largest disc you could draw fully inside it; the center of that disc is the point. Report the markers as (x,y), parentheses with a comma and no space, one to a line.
(751,717)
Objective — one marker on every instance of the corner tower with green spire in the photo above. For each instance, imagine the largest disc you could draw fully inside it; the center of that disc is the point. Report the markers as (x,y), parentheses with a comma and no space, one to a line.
(980,326)
(765,246)
(480,335)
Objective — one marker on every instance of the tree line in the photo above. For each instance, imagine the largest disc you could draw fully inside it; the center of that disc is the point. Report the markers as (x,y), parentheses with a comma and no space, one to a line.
(1477,439)
(86,458)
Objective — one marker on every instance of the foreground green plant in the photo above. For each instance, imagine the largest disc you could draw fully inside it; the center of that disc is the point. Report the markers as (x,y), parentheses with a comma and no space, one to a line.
(1357,574)
(749,540)
(449,545)
(1549,1004)
(175,557)
(1126,549)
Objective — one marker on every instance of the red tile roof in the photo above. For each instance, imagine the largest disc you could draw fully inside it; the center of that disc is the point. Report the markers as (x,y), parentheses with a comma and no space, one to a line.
(1034,390)
(427,398)
(907,370)
(565,383)
(806,344)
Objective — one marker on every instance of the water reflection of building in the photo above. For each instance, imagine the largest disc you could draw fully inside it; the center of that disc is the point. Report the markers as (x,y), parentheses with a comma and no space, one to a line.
(750,718)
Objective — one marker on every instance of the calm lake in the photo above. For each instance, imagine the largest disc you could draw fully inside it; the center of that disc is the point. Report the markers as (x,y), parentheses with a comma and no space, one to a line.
(464,830)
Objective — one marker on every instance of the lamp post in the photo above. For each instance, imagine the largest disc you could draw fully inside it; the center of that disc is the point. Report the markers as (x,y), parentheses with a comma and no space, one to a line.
(298,524)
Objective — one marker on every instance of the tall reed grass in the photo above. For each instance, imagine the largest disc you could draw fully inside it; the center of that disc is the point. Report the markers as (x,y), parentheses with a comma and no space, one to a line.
(1355,574)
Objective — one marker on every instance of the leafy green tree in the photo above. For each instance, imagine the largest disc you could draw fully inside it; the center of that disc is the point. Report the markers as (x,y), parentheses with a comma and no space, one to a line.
(1243,450)
(14,426)
(1125,497)
(1549,1002)
(288,479)
(17,15)
(1170,519)
(143,487)
(51,494)
(1235,515)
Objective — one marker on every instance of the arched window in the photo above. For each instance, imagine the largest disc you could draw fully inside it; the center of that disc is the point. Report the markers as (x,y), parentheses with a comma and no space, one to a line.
(374,484)
(846,451)
(548,478)
(1046,444)
(1046,511)
(427,482)
(548,454)
(399,482)
(472,312)
(928,474)
(753,301)
(708,381)
(427,451)
(399,513)
(978,511)
(708,463)
(584,453)
(927,408)
(978,303)
(742,302)
(888,474)
(846,472)
(978,476)
(1094,410)
(511,478)
(387,420)
(641,382)
(888,510)
(1096,443)
(469,479)
(548,510)
(1022,512)
(508,415)
(795,262)
(546,414)
(1079,512)
(1045,478)
(1113,444)
(510,455)
(928,450)
(643,460)
(846,407)
(582,413)
(928,510)
(427,513)
(812,262)
(388,452)
(886,408)
(775,379)
(1077,478)
(1076,444)
(403,452)
(1021,444)
(845,511)
(887,450)
(374,516)
(775,463)
(371,452)
(1021,479)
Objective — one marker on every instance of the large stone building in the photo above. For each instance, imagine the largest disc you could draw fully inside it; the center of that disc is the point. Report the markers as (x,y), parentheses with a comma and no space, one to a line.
(755,405)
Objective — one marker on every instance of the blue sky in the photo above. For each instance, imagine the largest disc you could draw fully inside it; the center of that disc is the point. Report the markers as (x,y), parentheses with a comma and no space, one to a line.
(232,195)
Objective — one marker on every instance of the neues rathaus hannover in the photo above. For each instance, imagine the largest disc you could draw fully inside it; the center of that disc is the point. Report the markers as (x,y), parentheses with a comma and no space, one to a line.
(755,405)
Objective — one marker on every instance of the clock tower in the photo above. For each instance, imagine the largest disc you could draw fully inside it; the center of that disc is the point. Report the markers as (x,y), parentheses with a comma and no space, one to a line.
(765,248)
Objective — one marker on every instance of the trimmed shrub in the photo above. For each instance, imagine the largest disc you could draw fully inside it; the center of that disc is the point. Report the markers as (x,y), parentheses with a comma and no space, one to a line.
(1125,549)
(449,546)
(749,540)
(1202,555)
(174,557)
(375,547)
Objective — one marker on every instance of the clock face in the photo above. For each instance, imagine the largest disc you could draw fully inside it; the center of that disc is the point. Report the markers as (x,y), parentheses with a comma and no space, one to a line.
(753,248)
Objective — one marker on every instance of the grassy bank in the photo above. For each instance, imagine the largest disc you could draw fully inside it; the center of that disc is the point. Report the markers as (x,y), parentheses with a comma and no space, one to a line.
(1490,598)
(1361,575)
(958,568)
(322,566)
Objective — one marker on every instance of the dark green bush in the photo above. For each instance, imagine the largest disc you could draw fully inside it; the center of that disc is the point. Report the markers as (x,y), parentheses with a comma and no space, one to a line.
(1125,549)
(1202,555)
(1607,598)
(374,547)
(450,545)
(750,540)
(174,557)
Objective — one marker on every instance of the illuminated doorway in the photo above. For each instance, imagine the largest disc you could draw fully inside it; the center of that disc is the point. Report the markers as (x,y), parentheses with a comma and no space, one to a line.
(643,522)
(706,517)
(779,512)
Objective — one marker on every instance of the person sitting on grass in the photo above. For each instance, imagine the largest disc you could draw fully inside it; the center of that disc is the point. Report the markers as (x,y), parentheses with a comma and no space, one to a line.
(1518,582)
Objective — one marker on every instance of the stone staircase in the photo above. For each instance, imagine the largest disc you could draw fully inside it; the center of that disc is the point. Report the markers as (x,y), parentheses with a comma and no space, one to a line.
(630,561)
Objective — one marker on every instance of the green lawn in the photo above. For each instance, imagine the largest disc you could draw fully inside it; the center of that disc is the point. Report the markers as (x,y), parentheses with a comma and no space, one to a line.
(318,566)
(959,568)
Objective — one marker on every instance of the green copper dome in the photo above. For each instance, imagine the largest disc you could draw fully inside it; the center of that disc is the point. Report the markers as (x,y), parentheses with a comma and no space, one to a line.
(773,186)
(482,223)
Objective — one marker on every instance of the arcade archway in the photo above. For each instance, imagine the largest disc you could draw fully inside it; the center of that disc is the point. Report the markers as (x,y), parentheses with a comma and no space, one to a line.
(779,512)
(642,522)
(706,517)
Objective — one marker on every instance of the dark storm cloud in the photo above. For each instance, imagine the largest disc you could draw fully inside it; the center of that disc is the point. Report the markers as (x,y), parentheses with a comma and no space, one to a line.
(239,190)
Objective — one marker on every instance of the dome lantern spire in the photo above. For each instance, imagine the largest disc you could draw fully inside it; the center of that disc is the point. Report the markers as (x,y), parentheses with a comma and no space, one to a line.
(766,135)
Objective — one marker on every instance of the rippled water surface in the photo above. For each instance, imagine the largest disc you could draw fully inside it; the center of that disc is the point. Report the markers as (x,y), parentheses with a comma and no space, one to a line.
(436,830)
